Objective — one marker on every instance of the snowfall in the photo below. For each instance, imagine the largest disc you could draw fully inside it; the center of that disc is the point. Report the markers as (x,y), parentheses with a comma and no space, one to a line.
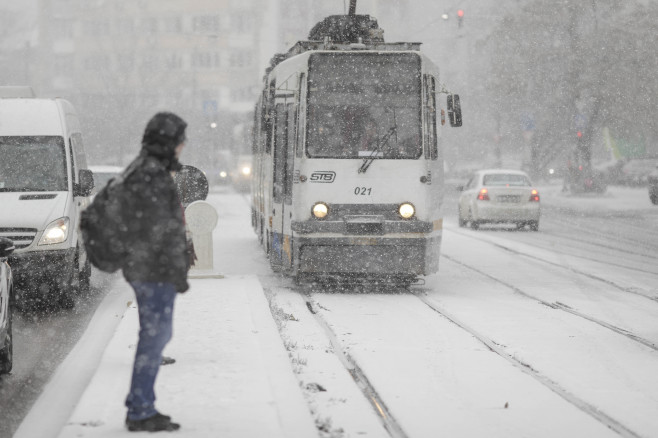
(497,351)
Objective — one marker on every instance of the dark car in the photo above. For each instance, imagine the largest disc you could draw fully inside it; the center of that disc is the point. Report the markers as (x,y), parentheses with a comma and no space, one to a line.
(6,307)
(652,181)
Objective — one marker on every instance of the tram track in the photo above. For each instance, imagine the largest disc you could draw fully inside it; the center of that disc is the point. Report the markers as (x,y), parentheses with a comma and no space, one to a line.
(528,369)
(360,379)
(608,282)
(387,417)
(559,306)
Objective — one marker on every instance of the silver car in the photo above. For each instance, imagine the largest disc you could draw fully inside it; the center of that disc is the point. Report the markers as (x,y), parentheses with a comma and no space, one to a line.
(6,307)
(499,196)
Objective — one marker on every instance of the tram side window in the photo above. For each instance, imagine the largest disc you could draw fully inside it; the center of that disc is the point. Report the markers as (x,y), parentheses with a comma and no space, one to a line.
(268,109)
(301,116)
(430,118)
(280,149)
(290,150)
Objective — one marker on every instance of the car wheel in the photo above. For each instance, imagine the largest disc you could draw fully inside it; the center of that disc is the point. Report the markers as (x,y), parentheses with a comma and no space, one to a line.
(462,221)
(475,224)
(654,199)
(534,225)
(520,225)
(7,352)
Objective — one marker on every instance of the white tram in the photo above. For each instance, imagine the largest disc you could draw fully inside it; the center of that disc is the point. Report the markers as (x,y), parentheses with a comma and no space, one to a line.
(348,166)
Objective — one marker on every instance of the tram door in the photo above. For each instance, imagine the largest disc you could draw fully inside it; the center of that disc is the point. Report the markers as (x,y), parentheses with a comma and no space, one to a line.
(283,159)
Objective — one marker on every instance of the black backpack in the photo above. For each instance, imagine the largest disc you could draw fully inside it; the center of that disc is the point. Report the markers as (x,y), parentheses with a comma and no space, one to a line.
(103,227)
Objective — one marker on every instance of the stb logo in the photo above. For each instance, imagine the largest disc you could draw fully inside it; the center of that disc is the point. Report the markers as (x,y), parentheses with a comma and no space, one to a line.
(323,176)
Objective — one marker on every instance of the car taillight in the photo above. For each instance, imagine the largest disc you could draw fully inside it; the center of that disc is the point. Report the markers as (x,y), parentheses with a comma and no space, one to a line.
(483,195)
(534,196)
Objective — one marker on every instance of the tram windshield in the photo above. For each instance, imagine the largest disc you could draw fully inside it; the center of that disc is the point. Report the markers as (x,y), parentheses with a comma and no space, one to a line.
(357,100)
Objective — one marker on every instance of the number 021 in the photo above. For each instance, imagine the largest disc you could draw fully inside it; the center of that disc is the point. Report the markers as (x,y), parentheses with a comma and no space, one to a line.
(363,191)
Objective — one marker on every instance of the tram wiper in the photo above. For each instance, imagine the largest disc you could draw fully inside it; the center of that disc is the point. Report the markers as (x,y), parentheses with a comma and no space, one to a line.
(381,142)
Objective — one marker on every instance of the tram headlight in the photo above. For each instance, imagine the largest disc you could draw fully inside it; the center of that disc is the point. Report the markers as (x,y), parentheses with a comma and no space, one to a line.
(406,210)
(320,210)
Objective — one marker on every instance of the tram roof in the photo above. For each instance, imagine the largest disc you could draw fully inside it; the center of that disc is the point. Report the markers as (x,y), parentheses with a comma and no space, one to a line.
(307,46)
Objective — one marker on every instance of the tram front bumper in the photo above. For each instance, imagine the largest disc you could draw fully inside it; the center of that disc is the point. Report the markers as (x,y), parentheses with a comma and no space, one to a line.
(368,255)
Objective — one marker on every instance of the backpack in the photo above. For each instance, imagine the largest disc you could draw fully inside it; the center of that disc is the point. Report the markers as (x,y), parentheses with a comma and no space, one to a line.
(103,228)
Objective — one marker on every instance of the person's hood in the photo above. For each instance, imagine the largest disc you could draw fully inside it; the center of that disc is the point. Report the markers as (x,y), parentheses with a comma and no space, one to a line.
(163,133)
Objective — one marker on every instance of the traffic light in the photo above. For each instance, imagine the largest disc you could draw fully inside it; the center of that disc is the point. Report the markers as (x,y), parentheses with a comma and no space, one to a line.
(460,17)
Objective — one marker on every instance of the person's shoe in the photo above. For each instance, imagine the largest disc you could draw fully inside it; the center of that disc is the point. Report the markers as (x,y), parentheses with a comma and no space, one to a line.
(155,423)
(166,360)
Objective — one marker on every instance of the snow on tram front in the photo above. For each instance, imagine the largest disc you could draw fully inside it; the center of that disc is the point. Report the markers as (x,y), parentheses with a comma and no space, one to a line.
(348,166)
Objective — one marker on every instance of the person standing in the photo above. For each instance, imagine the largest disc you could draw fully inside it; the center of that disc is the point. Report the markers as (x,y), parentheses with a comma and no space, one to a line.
(157,259)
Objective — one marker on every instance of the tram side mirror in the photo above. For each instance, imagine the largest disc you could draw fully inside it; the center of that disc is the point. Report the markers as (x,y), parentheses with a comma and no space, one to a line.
(454,110)
(191,185)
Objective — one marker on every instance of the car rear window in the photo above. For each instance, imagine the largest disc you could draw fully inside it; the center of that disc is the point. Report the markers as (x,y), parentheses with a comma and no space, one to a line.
(505,179)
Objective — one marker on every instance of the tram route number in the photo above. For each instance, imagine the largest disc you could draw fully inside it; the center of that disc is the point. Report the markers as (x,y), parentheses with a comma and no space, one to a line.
(363,191)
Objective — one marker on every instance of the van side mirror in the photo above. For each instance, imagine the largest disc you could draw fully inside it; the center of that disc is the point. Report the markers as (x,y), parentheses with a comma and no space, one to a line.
(86,184)
(6,247)
(454,110)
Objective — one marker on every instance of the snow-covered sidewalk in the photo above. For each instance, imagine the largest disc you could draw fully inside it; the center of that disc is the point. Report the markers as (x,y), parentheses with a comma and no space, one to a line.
(232,375)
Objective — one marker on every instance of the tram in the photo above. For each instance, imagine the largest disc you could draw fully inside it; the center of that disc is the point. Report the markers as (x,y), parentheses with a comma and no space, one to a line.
(347,156)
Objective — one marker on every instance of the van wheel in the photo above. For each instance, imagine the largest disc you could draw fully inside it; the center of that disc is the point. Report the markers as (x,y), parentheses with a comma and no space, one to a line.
(80,278)
(84,280)
(534,225)
(7,352)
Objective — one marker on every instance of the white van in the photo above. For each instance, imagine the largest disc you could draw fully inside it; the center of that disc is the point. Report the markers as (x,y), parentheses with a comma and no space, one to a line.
(44,184)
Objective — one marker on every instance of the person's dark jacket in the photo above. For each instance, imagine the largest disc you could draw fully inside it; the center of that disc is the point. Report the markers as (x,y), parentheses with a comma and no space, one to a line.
(156,245)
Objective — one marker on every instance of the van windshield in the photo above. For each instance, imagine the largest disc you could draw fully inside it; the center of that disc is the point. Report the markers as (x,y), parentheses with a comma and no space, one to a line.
(32,164)
(358,101)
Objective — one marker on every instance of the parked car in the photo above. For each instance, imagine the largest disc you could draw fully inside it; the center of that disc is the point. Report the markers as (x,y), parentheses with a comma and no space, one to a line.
(6,307)
(635,172)
(499,196)
(652,181)
(102,174)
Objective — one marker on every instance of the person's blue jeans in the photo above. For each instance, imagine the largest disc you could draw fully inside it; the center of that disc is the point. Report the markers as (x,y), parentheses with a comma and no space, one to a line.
(155,303)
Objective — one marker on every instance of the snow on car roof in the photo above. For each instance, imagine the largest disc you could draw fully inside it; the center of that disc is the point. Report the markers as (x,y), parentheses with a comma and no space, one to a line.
(503,171)
(102,168)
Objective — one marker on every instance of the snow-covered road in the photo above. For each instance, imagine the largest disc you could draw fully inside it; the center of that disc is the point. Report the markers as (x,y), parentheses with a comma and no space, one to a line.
(520,334)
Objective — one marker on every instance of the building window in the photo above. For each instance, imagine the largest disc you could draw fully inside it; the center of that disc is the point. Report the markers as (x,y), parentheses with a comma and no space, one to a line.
(174,61)
(206,60)
(206,24)
(241,22)
(241,59)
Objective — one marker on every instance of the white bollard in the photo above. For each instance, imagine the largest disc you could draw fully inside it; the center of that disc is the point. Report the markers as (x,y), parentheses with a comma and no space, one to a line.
(201,219)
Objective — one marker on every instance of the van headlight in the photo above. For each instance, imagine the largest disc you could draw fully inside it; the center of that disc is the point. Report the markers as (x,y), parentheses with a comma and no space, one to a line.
(320,210)
(56,232)
(406,210)
(246,170)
